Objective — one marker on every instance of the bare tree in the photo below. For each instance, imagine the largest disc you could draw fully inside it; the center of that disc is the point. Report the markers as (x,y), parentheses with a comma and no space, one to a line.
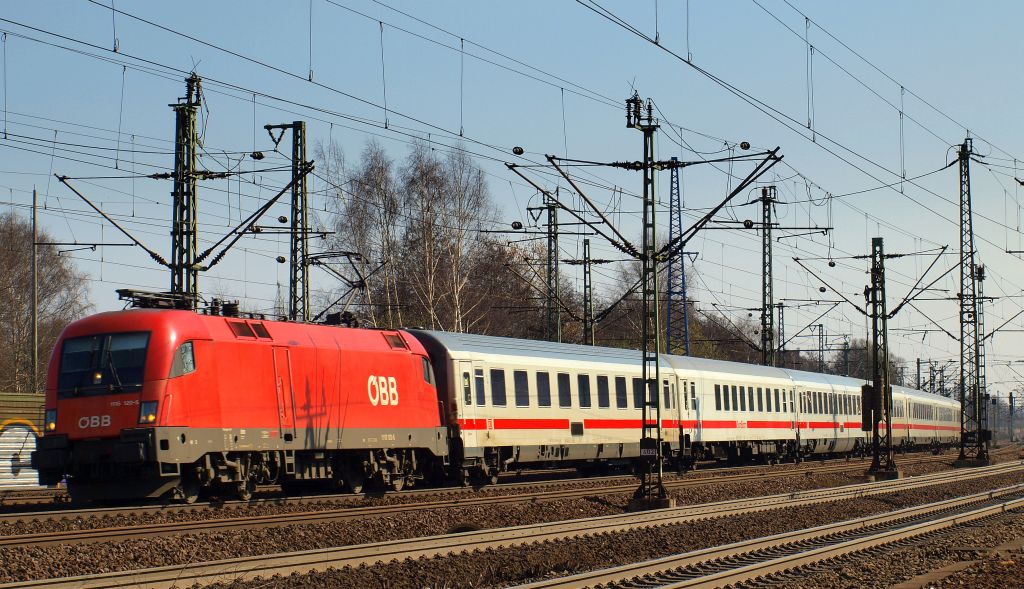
(62,299)
(467,203)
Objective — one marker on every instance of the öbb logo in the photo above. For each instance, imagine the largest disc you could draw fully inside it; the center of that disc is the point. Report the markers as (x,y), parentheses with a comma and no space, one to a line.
(88,421)
(382,390)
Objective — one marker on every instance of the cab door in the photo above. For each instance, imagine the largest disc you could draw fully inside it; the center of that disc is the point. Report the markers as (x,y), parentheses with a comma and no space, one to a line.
(283,386)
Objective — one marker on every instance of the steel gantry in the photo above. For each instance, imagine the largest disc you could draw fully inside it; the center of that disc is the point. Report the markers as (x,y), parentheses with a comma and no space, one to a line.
(974,435)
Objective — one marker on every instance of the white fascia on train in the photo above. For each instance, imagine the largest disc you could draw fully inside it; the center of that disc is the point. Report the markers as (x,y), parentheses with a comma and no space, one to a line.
(541,401)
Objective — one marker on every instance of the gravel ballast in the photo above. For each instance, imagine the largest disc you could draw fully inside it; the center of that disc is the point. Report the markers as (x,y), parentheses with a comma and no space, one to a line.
(484,569)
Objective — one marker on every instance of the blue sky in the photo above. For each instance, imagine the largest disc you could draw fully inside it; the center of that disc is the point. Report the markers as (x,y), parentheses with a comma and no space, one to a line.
(449,65)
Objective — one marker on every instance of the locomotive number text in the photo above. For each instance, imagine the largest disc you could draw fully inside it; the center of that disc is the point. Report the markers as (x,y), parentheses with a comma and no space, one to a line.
(382,390)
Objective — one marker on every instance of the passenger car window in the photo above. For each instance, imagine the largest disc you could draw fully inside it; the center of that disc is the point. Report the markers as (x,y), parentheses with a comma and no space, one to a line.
(564,392)
(638,393)
(479,378)
(583,389)
(621,395)
(497,387)
(543,389)
(522,385)
(603,399)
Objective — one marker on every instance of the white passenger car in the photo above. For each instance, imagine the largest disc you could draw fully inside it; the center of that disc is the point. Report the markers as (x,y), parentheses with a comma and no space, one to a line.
(513,403)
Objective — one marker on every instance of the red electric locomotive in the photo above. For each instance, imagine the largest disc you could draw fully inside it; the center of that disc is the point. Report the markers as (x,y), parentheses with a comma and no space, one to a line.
(150,403)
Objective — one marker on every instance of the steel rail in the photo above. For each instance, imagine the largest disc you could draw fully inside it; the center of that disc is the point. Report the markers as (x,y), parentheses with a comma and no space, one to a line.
(757,558)
(369,554)
(115,533)
(628,484)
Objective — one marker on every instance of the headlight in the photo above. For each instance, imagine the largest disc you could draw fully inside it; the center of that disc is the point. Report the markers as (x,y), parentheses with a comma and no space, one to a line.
(147,412)
(51,420)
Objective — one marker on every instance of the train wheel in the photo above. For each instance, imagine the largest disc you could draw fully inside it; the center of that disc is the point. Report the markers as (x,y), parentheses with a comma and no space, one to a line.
(397,483)
(245,489)
(187,492)
(355,480)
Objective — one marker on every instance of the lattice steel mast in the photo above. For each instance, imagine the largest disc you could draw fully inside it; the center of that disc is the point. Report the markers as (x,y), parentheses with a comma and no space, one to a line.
(677,322)
(651,487)
(974,436)
(184,245)
(298,260)
(553,328)
(882,460)
(588,297)
(767,313)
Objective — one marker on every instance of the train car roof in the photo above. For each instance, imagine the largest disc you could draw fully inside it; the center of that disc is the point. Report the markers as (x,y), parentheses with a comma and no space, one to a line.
(508,346)
(816,378)
(725,366)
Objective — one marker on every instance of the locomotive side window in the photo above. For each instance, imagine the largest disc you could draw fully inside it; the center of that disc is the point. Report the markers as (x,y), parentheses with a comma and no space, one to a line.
(621,396)
(428,374)
(184,361)
(543,389)
(467,390)
(583,389)
(522,383)
(497,387)
(479,381)
(564,392)
(603,398)
(718,397)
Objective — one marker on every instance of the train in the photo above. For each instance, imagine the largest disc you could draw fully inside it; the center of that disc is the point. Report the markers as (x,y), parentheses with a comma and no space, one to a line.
(164,403)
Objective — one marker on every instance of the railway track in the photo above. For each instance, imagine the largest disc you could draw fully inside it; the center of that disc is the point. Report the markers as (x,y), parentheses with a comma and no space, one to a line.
(753,560)
(369,554)
(462,497)
(38,497)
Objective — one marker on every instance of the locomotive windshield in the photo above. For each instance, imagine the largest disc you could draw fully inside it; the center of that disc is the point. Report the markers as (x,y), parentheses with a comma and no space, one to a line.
(102,364)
